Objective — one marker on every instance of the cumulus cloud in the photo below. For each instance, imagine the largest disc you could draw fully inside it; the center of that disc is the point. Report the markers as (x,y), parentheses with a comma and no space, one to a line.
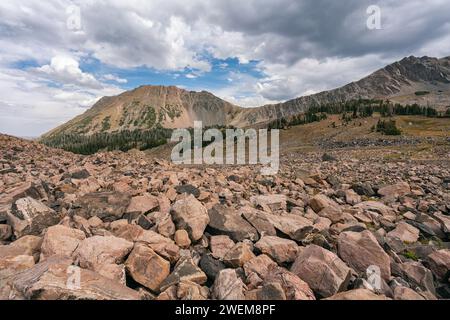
(66,70)
(29,106)
(112,77)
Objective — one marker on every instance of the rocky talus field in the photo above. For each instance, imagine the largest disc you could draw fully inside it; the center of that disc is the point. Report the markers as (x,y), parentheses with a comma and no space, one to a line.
(129,226)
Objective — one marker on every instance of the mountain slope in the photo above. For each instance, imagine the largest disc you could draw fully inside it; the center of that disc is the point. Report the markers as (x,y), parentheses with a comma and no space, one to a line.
(398,82)
(149,107)
(425,81)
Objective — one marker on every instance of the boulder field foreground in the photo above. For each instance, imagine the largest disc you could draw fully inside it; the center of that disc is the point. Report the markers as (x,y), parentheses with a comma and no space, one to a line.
(127,226)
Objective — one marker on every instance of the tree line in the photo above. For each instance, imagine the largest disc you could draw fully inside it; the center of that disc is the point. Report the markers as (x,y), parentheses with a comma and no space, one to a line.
(354,109)
(104,141)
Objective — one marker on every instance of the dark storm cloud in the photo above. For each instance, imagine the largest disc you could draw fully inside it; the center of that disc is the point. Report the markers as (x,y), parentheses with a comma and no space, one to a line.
(320,28)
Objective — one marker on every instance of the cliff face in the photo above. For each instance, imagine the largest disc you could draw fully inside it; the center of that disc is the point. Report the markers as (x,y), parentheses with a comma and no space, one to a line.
(149,107)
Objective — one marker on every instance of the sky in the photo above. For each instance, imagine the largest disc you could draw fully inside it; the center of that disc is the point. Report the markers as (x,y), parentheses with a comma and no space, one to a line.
(58,57)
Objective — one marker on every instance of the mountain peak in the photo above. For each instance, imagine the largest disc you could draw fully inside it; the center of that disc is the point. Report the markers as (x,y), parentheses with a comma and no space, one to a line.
(154,106)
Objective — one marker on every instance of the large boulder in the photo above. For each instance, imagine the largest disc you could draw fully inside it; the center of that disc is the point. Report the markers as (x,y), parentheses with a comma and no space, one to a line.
(439,264)
(220,245)
(238,255)
(147,268)
(291,285)
(27,245)
(259,221)
(228,286)
(108,206)
(257,269)
(360,250)
(104,254)
(142,204)
(163,246)
(399,189)
(61,240)
(292,225)
(405,293)
(325,273)
(418,275)
(211,266)
(444,221)
(320,202)
(191,215)
(56,279)
(226,221)
(9,267)
(326,207)
(376,207)
(273,202)
(30,217)
(404,232)
(279,249)
(185,270)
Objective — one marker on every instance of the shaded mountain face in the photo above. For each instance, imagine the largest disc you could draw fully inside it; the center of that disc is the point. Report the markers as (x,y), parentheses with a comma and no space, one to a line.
(425,81)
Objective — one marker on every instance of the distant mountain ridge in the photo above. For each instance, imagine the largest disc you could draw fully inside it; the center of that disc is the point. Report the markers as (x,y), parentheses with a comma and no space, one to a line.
(397,82)
(425,81)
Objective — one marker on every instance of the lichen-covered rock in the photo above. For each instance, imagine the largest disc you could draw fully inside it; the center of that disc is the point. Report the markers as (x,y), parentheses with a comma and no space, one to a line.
(104,254)
(189,214)
(30,217)
(147,268)
(228,286)
(56,279)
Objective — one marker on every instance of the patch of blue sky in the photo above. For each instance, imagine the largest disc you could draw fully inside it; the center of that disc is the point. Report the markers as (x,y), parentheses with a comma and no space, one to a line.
(24,64)
(191,79)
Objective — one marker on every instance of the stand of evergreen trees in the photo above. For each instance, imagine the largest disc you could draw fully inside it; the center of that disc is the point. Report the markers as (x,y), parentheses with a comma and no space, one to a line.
(121,140)
(354,109)
(309,117)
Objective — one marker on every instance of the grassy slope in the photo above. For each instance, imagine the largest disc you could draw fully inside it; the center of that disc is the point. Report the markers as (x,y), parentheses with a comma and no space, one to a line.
(304,138)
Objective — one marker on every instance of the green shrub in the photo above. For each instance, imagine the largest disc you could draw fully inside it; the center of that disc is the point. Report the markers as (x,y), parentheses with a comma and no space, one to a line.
(106,124)
(388,128)
(411,255)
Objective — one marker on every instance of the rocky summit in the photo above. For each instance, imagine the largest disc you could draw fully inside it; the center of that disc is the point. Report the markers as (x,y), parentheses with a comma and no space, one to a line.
(117,225)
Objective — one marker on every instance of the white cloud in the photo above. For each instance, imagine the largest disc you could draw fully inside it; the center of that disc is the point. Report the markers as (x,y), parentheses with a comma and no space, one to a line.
(111,77)
(30,107)
(308,76)
(66,70)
